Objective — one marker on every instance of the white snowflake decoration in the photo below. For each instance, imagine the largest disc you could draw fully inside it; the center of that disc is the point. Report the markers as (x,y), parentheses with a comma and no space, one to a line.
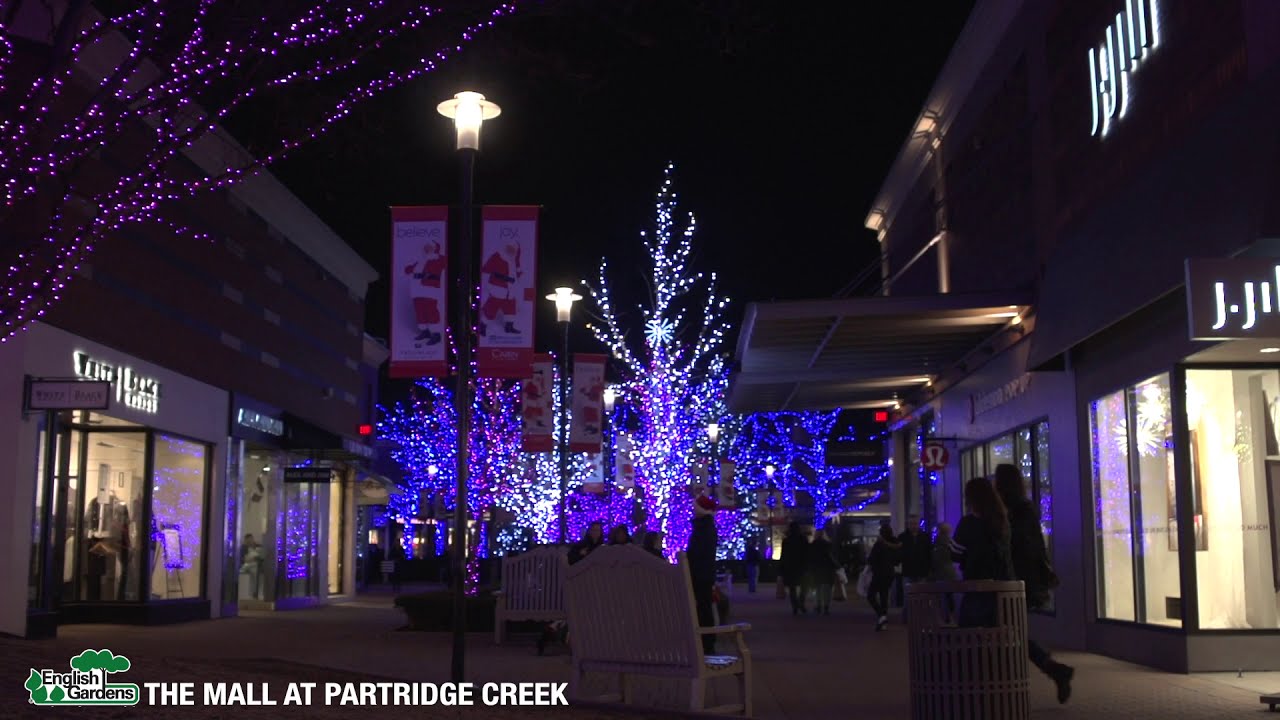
(659,331)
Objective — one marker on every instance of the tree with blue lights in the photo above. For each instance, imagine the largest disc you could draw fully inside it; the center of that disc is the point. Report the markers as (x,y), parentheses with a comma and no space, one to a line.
(674,372)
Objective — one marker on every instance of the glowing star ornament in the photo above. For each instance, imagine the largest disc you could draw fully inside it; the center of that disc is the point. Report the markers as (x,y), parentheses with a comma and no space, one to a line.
(659,332)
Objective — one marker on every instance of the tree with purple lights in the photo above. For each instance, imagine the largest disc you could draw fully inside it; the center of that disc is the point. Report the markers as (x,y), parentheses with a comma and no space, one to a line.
(112,113)
(795,443)
(671,353)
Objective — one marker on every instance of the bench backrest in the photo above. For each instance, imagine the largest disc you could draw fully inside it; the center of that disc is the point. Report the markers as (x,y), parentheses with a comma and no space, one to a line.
(534,581)
(628,606)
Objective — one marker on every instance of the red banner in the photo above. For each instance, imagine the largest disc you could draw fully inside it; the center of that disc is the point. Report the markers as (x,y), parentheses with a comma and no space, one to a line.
(537,410)
(586,430)
(625,469)
(508,271)
(419,291)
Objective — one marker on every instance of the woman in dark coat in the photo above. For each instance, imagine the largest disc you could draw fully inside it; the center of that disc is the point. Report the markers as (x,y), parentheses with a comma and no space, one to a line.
(1031,565)
(981,546)
(592,539)
(822,569)
(882,560)
(794,564)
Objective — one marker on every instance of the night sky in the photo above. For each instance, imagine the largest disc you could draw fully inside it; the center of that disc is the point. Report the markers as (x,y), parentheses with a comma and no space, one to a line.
(782,120)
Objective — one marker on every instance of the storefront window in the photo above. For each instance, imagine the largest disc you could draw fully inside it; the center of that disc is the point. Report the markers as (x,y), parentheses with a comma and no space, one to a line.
(179,475)
(1135,518)
(337,535)
(34,577)
(109,516)
(1232,419)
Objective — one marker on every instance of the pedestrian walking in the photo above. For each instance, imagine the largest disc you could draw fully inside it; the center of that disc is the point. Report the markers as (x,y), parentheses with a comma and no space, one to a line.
(883,559)
(701,556)
(981,545)
(916,558)
(753,566)
(793,565)
(1031,565)
(943,566)
(822,566)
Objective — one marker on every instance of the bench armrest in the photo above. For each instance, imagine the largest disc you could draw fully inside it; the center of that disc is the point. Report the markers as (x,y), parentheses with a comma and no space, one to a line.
(721,629)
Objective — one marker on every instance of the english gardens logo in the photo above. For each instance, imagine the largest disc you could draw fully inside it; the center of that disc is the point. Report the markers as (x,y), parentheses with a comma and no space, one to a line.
(86,684)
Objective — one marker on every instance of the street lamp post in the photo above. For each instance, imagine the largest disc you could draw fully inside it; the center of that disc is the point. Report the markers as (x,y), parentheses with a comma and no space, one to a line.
(768,477)
(564,298)
(713,434)
(468,110)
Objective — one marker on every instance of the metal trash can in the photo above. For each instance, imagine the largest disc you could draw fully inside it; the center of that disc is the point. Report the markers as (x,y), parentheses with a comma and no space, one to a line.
(968,673)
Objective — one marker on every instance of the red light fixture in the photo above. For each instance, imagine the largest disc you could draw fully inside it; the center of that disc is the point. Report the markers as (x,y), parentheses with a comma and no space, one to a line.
(365,430)
(882,416)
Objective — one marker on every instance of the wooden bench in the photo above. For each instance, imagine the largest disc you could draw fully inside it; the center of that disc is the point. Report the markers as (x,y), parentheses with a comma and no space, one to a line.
(1271,701)
(532,588)
(631,613)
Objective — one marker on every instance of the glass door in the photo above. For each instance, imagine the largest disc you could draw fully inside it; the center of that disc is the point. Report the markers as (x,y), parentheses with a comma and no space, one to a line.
(298,575)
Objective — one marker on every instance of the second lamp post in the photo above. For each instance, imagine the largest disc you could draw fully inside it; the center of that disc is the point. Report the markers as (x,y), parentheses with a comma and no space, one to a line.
(564,298)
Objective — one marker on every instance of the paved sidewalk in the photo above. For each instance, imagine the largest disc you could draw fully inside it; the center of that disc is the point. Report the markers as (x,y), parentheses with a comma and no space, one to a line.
(805,667)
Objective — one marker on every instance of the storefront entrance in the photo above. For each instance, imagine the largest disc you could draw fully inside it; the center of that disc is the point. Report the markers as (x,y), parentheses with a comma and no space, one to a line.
(109,545)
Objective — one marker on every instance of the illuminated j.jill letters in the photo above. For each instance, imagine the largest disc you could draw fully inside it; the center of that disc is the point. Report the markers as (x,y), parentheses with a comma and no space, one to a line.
(1246,313)
(134,390)
(1128,40)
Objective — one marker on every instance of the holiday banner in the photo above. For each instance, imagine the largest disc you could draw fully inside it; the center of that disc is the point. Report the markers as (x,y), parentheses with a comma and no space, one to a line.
(594,482)
(585,432)
(624,468)
(726,493)
(508,270)
(536,409)
(419,291)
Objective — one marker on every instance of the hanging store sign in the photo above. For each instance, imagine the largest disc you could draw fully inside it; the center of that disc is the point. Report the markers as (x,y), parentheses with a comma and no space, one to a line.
(1231,298)
(854,453)
(419,291)
(507,273)
(68,395)
(133,390)
(307,474)
(1126,43)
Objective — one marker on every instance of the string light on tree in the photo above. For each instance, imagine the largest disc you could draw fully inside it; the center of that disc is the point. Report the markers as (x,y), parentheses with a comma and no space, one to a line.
(164,78)
(672,385)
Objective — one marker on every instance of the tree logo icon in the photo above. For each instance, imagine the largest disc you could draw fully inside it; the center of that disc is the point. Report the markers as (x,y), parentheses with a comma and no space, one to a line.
(86,683)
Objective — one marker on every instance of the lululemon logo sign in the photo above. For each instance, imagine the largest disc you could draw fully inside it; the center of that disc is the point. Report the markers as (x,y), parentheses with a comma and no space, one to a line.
(934,456)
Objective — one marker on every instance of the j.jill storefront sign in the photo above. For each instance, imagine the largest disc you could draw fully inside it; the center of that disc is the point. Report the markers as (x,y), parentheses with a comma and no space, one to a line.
(1127,41)
(135,391)
(1233,298)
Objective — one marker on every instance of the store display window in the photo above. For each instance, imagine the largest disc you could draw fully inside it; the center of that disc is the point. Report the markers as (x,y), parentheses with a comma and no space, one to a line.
(1234,445)
(1135,519)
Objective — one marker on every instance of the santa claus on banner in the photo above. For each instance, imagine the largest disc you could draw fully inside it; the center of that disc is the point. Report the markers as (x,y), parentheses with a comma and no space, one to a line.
(534,410)
(427,271)
(500,271)
(591,410)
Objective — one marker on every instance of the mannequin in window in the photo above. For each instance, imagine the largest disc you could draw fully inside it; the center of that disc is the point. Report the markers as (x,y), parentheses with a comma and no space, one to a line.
(100,543)
(251,563)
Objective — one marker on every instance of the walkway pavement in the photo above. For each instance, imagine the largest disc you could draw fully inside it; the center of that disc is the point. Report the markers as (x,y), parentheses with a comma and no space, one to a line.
(805,667)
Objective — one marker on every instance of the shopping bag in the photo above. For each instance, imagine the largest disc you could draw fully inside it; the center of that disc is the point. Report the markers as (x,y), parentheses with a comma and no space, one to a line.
(842,577)
(782,589)
(864,581)
(840,593)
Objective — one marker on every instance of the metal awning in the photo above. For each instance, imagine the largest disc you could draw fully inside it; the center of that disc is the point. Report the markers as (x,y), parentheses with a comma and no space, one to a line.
(858,352)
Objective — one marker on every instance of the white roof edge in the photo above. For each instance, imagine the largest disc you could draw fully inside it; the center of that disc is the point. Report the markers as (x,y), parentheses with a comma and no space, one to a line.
(978,41)
(218,151)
